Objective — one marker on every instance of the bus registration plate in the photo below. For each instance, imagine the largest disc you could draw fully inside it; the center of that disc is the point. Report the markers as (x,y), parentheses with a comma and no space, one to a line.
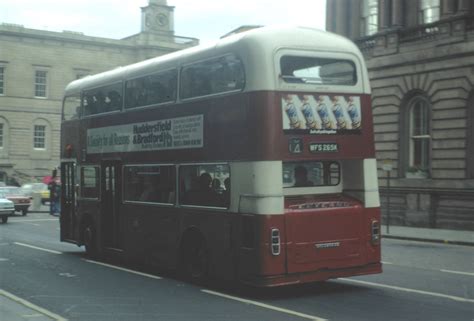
(323,147)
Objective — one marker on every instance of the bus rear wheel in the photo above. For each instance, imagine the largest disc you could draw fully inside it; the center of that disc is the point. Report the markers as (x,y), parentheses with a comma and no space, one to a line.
(195,260)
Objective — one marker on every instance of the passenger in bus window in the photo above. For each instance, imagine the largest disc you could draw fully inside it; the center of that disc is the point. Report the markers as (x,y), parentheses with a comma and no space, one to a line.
(90,108)
(301,177)
(207,196)
(202,194)
(100,102)
(216,185)
(115,101)
(149,189)
(226,193)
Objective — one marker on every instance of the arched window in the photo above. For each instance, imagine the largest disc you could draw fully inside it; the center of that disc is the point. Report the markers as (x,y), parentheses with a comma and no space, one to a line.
(419,138)
(369,17)
(429,11)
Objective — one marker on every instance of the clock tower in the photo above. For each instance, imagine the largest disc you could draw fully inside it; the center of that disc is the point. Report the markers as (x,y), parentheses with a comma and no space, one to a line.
(158,17)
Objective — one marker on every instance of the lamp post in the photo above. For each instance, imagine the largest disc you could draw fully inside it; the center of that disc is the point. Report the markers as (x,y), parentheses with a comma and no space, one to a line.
(387,166)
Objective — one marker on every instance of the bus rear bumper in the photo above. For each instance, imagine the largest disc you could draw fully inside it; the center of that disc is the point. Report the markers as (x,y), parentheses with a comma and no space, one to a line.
(313,276)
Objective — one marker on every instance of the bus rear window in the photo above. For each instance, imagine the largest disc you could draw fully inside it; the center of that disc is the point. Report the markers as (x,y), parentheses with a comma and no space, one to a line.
(307,174)
(322,71)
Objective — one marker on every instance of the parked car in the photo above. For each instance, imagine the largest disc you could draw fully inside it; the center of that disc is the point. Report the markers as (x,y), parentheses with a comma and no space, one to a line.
(7,207)
(19,199)
(30,188)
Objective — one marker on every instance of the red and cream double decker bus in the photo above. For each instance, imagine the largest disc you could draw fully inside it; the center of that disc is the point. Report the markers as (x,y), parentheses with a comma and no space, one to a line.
(251,159)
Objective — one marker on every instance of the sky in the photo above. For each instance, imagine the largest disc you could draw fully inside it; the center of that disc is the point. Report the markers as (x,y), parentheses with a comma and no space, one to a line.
(206,20)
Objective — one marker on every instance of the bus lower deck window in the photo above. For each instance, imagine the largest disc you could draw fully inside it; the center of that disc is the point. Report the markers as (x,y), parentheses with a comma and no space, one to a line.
(205,185)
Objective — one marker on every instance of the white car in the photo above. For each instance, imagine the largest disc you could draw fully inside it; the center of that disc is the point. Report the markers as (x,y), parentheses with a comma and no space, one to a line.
(7,208)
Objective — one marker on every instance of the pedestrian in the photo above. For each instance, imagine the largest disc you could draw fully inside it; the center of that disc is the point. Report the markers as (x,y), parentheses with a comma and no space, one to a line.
(56,197)
(54,194)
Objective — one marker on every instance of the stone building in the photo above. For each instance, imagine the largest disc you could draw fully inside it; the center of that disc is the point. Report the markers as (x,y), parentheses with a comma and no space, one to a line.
(420,57)
(35,67)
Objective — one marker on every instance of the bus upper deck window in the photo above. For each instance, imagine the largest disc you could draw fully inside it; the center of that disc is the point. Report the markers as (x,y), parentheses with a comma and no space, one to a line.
(323,71)
(213,76)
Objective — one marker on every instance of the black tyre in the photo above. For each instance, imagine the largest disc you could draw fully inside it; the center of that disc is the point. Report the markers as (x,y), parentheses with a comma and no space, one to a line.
(24,212)
(4,219)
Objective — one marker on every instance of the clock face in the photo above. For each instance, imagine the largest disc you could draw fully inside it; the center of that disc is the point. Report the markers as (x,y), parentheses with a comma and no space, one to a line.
(156,21)
(161,19)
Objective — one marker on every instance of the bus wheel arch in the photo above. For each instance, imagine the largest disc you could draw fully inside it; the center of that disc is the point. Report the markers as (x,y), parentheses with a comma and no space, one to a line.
(194,256)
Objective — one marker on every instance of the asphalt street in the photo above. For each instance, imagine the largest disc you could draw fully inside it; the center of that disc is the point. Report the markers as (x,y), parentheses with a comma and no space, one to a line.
(421,281)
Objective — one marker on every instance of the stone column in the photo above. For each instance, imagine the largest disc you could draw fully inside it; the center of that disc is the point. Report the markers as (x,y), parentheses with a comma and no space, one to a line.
(397,13)
(330,12)
(355,31)
(341,17)
(464,6)
(447,8)
(384,14)
(412,11)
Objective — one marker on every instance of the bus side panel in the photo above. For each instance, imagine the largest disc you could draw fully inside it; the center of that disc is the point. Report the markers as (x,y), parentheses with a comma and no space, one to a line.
(151,233)
(216,227)
(256,259)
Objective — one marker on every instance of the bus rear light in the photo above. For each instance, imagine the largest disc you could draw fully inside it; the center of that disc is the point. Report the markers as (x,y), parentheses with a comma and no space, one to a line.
(375,232)
(276,245)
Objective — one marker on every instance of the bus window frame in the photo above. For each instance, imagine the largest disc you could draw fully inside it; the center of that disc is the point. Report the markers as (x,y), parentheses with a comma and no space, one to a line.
(84,90)
(171,102)
(159,204)
(213,208)
(188,99)
(357,88)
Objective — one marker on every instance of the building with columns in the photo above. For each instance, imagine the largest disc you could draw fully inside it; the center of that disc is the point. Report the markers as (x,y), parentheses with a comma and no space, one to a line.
(35,67)
(420,57)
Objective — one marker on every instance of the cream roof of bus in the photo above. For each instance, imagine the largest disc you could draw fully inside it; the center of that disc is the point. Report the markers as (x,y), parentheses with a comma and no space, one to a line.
(251,46)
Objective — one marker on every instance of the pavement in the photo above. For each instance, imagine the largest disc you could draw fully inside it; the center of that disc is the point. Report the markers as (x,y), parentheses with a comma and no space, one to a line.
(458,237)
(18,309)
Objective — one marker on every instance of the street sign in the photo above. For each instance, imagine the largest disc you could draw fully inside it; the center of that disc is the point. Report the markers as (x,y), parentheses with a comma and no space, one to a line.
(387,165)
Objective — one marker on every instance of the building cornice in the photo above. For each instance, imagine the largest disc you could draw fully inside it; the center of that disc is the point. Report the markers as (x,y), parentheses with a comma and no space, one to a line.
(448,31)
(128,43)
